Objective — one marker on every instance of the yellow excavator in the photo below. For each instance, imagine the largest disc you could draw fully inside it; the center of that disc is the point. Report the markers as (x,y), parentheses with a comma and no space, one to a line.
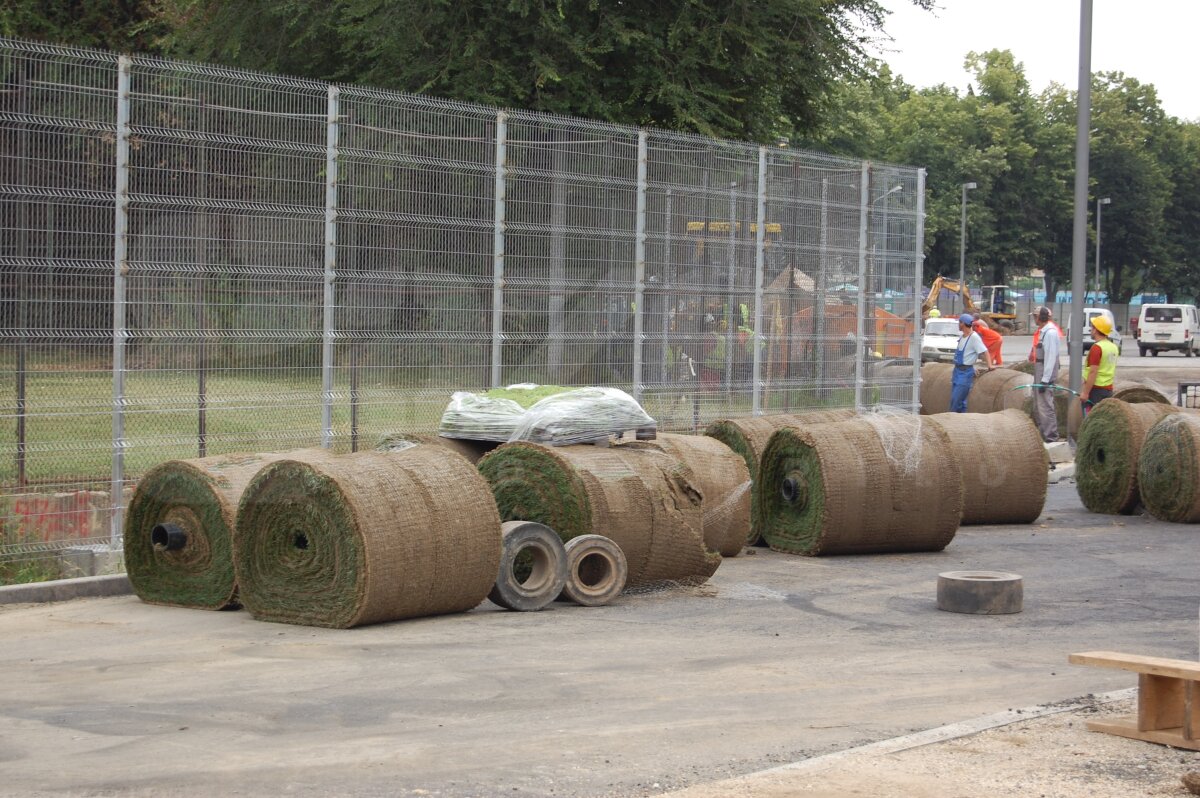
(999,308)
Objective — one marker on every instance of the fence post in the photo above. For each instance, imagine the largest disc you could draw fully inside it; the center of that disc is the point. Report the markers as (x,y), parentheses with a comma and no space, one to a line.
(498,247)
(667,285)
(639,267)
(732,310)
(860,336)
(919,277)
(331,206)
(120,332)
(820,326)
(760,255)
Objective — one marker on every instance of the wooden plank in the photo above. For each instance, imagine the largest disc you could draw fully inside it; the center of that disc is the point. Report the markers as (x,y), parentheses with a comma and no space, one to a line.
(1160,702)
(1191,711)
(1171,737)
(1155,666)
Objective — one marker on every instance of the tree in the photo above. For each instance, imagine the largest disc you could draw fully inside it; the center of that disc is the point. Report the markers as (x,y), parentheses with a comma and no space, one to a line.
(122,25)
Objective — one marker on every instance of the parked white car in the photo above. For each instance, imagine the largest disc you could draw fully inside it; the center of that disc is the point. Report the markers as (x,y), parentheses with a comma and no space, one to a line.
(1168,327)
(939,340)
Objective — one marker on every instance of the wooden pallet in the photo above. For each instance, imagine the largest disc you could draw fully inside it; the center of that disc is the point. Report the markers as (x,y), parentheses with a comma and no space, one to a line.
(1168,710)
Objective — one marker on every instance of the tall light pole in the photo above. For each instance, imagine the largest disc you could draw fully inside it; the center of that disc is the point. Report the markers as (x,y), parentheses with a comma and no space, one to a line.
(962,245)
(1083,117)
(1100,203)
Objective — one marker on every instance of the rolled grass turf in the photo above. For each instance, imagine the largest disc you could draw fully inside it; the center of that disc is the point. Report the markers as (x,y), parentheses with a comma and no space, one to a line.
(399,441)
(344,541)
(644,500)
(868,485)
(1132,392)
(1106,457)
(749,436)
(1003,465)
(1169,468)
(197,500)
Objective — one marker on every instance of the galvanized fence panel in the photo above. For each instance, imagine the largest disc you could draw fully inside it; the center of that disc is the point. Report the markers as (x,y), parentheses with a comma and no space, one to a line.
(199,260)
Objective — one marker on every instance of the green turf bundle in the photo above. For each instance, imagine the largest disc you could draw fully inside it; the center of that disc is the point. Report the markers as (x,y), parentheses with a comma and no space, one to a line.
(399,441)
(1169,468)
(871,484)
(644,500)
(1106,457)
(1004,465)
(367,537)
(748,437)
(1132,392)
(179,525)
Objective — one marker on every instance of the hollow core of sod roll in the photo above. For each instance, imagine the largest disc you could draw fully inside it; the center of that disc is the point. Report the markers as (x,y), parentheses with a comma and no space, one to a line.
(749,436)
(348,540)
(178,541)
(1169,468)
(873,484)
(1004,465)
(1106,457)
(644,500)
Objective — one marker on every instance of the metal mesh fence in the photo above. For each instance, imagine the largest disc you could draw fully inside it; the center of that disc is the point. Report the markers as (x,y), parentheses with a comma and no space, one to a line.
(199,260)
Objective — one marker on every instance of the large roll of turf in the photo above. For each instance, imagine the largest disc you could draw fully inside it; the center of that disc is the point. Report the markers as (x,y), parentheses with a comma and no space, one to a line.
(179,529)
(1004,465)
(748,437)
(1132,392)
(399,441)
(1169,468)
(873,484)
(368,537)
(999,389)
(724,482)
(935,388)
(644,500)
(1106,457)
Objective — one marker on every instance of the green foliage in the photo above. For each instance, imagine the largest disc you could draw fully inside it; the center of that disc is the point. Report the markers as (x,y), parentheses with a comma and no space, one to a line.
(122,25)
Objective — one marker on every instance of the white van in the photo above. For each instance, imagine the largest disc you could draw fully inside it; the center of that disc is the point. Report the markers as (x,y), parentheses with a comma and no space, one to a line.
(1168,327)
(1088,315)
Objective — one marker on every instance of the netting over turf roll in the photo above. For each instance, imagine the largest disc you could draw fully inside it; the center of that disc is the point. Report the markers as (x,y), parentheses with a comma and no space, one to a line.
(368,537)
(935,388)
(642,499)
(1106,458)
(1169,468)
(998,390)
(399,441)
(873,484)
(748,437)
(179,529)
(1004,465)
(1132,392)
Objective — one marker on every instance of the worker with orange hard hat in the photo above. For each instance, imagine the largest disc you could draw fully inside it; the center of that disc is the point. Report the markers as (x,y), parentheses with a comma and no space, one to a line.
(1101,368)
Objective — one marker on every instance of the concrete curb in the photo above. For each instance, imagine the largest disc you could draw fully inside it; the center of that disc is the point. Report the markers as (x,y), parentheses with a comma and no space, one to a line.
(66,589)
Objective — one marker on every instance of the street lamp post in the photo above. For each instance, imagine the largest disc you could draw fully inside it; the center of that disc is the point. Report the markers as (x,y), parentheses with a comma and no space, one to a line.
(962,244)
(1100,203)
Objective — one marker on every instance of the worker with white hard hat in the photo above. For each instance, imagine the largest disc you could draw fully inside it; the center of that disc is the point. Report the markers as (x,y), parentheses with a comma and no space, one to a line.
(970,349)
(1101,368)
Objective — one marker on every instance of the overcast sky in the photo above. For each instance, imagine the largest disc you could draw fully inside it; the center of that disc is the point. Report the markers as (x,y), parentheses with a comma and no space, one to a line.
(1154,41)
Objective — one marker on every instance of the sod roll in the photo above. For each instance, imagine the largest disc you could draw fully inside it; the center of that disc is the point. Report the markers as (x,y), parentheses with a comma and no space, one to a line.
(644,500)
(399,441)
(1132,392)
(364,538)
(872,484)
(1106,456)
(935,388)
(1169,468)
(723,480)
(999,389)
(179,529)
(748,437)
(1004,465)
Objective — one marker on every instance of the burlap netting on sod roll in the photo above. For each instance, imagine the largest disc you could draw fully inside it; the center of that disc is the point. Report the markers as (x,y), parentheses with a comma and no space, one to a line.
(748,437)
(399,441)
(368,537)
(992,392)
(873,484)
(1169,468)
(1106,457)
(1132,392)
(179,529)
(1004,465)
(644,500)
(723,481)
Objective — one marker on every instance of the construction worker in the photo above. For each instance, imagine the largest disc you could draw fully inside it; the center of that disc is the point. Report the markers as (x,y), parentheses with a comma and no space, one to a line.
(1045,372)
(970,348)
(1038,330)
(993,340)
(934,313)
(1101,367)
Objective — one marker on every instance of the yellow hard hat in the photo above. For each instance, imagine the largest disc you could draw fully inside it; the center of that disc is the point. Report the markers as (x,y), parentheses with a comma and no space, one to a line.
(1102,325)
(935,314)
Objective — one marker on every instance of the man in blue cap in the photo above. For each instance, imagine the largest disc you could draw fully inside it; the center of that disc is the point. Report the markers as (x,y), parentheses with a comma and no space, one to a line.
(970,348)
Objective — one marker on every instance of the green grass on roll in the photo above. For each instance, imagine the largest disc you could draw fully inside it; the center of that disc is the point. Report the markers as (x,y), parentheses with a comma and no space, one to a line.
(1106,457)
(1169,468)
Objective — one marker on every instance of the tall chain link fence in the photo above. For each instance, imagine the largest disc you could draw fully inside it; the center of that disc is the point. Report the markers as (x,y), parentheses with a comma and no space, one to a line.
(200,260)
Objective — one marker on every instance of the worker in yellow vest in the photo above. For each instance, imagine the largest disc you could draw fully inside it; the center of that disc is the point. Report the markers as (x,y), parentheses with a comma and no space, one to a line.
(1101,368)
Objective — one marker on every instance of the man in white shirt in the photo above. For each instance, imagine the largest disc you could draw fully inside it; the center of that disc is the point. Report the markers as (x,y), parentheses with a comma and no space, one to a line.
(970,348)
(1045,372)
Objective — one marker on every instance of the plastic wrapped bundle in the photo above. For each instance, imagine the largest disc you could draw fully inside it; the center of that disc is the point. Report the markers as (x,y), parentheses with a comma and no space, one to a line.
(399,441)
(563,417)
(179,529)
(368,537)
(872,484)
(644,500)
(1004,465)
(1106,458)
(748,437)
(1169,468)
(480,417)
